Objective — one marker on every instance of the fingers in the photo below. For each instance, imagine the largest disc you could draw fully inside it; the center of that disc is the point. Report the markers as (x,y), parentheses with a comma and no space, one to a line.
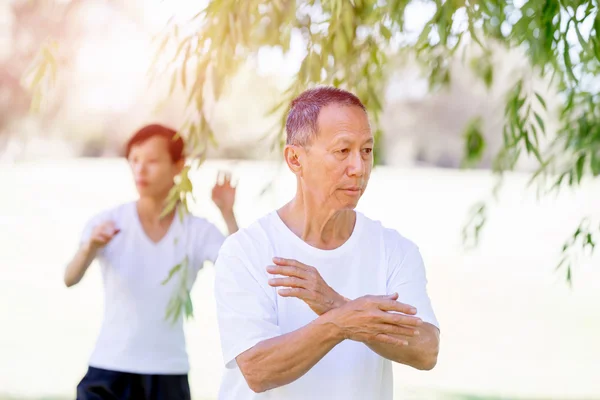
(224,178)
(287,271)
(288,282)
(393,305)
(399,330)
(399,319)
(102,238)
(379,298)
(300,293)
(290,262)
(104,232)
(107,228)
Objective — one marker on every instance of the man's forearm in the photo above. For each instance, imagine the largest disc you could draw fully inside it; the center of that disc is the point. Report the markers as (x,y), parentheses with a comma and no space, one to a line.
(281,360)
(80,263)
(421,352)
(230,221)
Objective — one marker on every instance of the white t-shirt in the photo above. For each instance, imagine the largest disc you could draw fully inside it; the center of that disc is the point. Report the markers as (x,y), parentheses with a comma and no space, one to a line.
(135,337)
(374,260)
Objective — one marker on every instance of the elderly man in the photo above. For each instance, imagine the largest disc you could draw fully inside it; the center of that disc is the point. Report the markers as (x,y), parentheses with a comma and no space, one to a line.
(315,300)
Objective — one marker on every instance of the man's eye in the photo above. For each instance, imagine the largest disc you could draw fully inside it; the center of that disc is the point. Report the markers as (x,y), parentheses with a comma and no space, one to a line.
(368,150)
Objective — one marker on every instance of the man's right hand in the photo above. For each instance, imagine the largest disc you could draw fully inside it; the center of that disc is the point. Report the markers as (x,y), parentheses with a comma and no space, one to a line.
(370,319)
(102,234)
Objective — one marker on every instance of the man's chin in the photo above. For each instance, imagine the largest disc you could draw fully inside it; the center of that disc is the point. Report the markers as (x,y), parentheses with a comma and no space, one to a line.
(351,205)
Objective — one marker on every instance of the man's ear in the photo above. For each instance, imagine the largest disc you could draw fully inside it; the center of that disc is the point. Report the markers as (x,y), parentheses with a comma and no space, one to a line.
(179,165)
(293,157)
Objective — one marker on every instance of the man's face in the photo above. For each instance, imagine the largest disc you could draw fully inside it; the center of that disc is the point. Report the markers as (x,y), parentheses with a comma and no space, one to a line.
(152,167)
(336,164)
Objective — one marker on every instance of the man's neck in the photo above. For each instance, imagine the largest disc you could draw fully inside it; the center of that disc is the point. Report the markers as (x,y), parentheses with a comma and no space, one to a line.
(150,209)
(318,226)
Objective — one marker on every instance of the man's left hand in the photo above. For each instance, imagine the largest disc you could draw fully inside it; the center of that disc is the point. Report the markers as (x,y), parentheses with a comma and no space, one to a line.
(223,193)
(304,282)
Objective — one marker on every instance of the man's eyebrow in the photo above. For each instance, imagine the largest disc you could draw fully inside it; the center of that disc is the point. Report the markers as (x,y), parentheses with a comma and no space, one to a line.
(345,139)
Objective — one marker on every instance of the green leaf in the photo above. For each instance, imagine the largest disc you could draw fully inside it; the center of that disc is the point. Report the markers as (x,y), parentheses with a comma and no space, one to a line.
(172,306)
(186,184)
(385,32)
(536,152)
(579,167)
(582,42)
(39,75)
(51,60)
(340,48)
(474,142)
(180,48)
(589,241)
(171,203)
(173,83)
(567,61)
(488,75)
(314,66)
(184,67)
(36,101)
(348,22)
(192,94)
(423,40)
(540,122)
(181,213)
(595,164)
(172,273)
(177,312)
(541,100)
(535,134)
(199,101)
(189,307)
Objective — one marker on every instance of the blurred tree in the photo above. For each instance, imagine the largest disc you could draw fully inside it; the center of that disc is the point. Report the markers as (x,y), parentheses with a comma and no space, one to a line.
(31,59)
(31,23)
(348,44)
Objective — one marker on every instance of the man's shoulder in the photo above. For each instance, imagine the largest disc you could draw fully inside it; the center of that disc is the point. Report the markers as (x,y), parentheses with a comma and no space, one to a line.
(249,239)
(392,239)
(115,213)
(196,224)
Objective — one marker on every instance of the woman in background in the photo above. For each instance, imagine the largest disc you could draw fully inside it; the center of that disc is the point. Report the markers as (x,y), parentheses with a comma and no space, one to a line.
(139,354)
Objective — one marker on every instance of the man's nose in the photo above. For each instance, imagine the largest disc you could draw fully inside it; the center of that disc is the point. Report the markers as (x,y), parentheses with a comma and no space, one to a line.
(139,168)
(356,165)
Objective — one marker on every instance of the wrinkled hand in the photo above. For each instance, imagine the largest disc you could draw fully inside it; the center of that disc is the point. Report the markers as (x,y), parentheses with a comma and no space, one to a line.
(223,193)
(372,319)
(102,234)
(304,282)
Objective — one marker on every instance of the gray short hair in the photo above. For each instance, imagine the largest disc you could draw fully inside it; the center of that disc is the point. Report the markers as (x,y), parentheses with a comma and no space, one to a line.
(301,124)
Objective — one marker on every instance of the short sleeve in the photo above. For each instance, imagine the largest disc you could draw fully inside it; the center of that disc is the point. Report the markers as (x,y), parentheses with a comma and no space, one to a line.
(89,227)
(213,240)
(407,277)
(246,314)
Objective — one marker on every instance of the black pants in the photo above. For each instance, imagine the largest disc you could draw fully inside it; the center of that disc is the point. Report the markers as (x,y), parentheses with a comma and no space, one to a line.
(102,384)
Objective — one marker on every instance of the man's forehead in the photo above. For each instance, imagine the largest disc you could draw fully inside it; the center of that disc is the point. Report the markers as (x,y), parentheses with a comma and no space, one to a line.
(154,143)
(337,120)
(349,137)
